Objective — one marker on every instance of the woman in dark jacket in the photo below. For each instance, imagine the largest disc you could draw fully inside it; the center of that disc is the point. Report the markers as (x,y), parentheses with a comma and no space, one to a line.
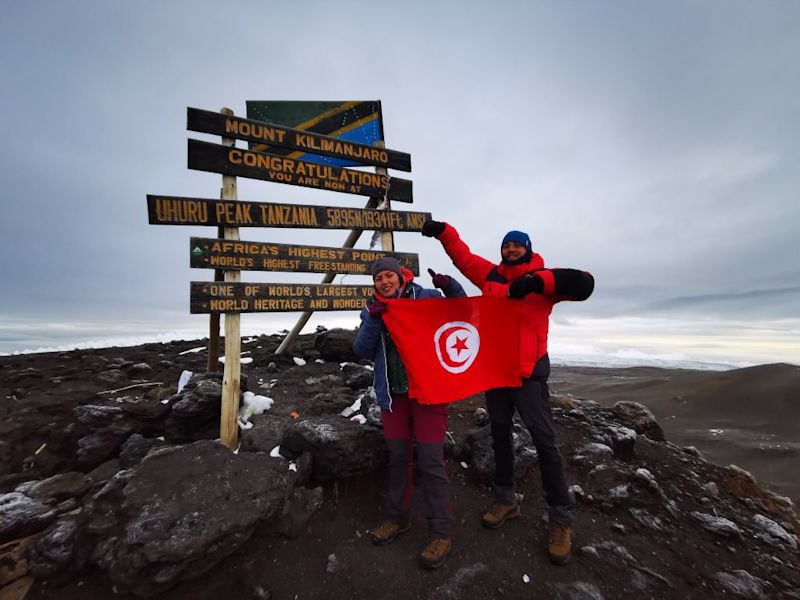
(407,423)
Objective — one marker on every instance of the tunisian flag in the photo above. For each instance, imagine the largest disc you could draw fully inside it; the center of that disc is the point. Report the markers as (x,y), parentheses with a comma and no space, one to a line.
(455,347)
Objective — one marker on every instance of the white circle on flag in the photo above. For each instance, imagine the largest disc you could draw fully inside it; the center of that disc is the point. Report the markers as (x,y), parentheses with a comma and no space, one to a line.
(457,344)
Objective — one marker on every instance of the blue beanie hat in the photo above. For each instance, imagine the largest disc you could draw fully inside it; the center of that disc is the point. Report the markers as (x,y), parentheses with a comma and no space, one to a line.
(519,237)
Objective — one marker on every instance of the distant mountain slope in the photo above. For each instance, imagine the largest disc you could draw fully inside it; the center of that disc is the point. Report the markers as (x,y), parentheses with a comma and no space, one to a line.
(747,417)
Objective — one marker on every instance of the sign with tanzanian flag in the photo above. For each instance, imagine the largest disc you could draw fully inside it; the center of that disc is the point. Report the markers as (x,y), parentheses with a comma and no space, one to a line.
(357,121)
(453,348)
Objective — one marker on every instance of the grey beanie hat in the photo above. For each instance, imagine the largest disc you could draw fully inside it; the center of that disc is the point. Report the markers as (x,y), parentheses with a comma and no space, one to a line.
(387,263)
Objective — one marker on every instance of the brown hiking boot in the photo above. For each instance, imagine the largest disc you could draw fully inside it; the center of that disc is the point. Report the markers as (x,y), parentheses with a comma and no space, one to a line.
(435,553)
(559,544)
(499,514)
(387,532)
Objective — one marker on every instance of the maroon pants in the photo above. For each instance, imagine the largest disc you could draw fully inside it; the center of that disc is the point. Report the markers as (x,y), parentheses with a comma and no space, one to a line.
(408,426)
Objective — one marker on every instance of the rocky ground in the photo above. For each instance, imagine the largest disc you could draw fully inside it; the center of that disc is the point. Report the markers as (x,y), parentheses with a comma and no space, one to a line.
(111,485)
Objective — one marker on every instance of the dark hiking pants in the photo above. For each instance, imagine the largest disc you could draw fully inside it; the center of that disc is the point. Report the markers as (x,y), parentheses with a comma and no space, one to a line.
(532,402)
(410,425)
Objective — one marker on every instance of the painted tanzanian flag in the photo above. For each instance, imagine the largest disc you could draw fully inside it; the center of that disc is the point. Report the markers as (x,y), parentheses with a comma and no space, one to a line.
(352,120)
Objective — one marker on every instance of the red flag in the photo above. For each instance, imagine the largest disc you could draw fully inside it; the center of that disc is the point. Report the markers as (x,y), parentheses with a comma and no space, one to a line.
(455,347)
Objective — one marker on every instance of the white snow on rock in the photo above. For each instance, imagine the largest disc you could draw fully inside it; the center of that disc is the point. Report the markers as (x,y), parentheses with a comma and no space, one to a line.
(276,452)
(526,579)
(298,361)
(353,408)
(319,361)
(192,351)
(293,467)
(245,360)
(258,403)
(360,419)
(771,532)
(183,380)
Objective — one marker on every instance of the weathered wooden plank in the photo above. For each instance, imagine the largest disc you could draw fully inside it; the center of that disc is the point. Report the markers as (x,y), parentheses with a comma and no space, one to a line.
(175,210)
(211,253)
(208,297)
(261,132)
(205,156)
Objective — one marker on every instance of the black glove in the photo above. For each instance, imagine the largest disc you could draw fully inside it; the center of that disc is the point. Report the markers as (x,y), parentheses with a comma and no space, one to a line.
(525,285)
(439,280)
(432,228)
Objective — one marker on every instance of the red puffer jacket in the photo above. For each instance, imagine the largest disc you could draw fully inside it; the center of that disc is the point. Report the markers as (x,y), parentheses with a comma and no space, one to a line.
(493,280)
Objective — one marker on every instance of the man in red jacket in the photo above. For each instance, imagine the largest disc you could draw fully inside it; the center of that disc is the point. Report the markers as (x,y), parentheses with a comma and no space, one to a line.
(521,275)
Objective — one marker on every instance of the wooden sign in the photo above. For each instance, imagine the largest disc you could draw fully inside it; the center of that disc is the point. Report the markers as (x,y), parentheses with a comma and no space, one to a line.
(209,253)
(296,139)
(205,156)
(174,210)
(208,297)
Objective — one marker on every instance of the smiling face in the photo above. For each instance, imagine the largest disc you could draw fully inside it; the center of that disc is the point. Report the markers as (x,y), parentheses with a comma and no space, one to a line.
(512,251)
(387,283)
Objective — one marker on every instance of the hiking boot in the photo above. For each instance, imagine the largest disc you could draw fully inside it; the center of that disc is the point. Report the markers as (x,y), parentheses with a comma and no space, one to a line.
(559,544)
(499,514)
(387,532)
(435,553)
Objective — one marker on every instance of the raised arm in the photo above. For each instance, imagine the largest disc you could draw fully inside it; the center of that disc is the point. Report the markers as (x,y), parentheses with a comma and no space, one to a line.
(474,267)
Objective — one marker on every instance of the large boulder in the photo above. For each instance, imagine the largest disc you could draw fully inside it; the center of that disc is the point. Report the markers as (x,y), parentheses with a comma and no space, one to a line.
(336,345)
(639,418)
(341,447)
(195,410)
(181,511)
(476,450)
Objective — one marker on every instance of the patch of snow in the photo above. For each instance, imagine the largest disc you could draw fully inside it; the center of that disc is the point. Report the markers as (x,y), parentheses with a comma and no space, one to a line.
(293,467)
(258,403)
(183,380)
(298,361)
(464,465)
(360,419)
(247,360)
(319,361)
(526,579)
(192,351)
(353,408)
(276,452)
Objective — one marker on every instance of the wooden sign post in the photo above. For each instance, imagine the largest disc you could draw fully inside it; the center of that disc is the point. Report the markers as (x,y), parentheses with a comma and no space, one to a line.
(231,378)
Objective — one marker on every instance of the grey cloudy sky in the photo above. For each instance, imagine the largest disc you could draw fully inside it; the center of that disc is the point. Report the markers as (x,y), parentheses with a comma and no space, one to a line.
(654,144)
